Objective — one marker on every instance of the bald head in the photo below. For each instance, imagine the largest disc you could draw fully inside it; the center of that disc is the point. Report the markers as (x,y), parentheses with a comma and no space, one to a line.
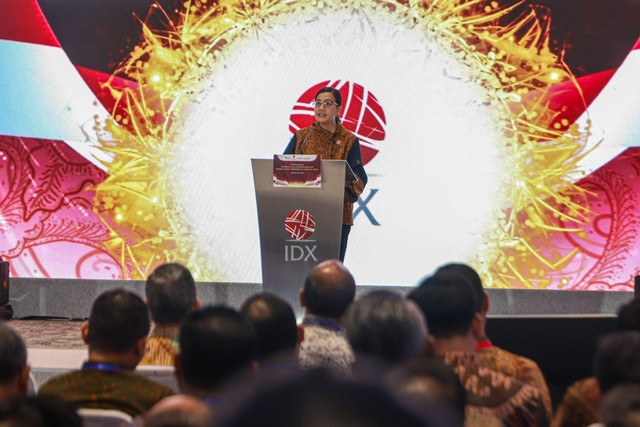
(329,289)
(181,409)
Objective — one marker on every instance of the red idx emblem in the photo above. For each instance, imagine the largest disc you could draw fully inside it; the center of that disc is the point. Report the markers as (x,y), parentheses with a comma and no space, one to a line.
(300,224)
(361,113)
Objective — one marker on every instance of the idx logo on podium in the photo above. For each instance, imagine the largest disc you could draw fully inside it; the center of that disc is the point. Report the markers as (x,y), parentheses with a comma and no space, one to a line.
(300,225)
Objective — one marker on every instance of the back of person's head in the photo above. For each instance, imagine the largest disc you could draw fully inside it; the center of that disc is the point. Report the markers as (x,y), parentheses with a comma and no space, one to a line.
(387,326)
(274,323)
(629,316)
(180,410)
(13,356)
(329,289)
(171,293)
(216,343)
(420,379)
(471,276)
(38,411)
(617,360)
(621,406)
(317,399)
(118,319)
(447,301)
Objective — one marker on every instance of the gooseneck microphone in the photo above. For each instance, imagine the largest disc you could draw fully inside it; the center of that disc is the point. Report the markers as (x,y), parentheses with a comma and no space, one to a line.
(306,137)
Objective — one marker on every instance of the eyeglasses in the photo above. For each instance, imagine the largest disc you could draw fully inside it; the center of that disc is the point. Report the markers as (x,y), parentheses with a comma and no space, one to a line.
(327,104)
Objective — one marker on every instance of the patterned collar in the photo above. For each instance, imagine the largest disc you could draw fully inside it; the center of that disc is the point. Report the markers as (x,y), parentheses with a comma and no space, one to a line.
(170,332)
(322,322)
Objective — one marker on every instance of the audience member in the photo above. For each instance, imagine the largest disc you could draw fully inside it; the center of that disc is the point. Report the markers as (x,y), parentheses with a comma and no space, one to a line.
(274,323)
(328,291)
(621,406)
(216,344)
(179,411)
(171,295)
(419,381)
(581,400)
(448,303)
(495,358)
(386,326)
(37,411)
(14,370)
(116,335)
(318,399)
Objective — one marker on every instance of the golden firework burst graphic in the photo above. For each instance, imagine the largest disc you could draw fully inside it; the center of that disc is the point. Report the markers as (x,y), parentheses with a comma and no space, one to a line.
(503,48)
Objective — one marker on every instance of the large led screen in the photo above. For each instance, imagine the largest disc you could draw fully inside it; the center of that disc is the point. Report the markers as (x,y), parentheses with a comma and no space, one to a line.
(497,133)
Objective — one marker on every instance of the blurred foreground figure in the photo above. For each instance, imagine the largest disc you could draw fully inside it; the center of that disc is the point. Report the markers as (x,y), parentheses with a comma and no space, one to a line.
(581,401)
(37,411)
(14,371)
(318,399)
(180,410)
(216,344)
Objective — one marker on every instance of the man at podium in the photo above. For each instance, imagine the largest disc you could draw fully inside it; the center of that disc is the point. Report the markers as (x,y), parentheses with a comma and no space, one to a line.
(328,138)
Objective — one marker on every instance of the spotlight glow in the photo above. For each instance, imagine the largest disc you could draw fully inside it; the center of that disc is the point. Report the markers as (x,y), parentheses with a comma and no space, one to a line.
(440,138)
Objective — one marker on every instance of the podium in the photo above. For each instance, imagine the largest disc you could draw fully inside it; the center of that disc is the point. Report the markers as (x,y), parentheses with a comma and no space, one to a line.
(312,215)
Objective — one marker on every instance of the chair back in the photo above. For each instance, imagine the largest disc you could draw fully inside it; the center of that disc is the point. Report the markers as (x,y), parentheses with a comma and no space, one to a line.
(105,418)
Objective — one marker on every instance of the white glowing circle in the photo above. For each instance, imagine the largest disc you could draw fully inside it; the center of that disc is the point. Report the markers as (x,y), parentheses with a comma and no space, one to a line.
(437,172)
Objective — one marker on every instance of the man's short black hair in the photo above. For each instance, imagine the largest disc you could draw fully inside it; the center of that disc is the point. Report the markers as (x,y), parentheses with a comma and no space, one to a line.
(215,344)
(629,316)
(448,303)
(617,360)
(13,354)
(419,379)
(471,276)
(620,406)
(118,319)
(329,295)
(274,323)
(171,293)
(385,325)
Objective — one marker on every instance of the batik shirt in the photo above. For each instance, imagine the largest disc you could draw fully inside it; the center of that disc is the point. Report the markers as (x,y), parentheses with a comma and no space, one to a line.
(495,394)
(161,346)
(518,367)
(325,345)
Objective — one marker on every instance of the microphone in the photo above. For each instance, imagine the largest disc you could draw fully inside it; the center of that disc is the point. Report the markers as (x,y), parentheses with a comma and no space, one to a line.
(307,137)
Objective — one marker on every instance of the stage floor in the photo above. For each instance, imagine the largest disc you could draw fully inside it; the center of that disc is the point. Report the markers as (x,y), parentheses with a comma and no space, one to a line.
(50,334)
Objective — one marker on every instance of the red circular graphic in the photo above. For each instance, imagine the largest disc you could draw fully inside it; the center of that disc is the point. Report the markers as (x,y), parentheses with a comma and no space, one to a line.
(300,224)
(361,113)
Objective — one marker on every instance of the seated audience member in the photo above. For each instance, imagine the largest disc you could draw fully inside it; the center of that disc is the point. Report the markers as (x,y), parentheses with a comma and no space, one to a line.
(274,323)
(37,411)
(419,381)
(495,358)
(386,326)
(171,295)
(328,290)
(448,303)
(14,371)
(318,399)
(116,335)
(216,344)
(581,400)
(179,410)
(621,406)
